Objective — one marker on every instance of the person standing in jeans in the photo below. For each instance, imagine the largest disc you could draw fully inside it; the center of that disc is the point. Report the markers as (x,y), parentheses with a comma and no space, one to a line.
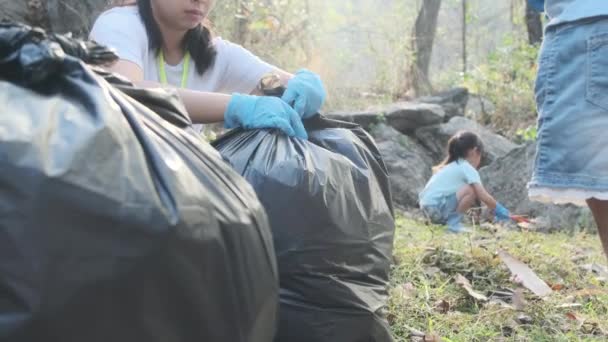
(571,93)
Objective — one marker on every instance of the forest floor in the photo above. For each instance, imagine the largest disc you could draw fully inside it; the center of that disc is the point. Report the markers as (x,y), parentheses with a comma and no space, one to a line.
(448,287)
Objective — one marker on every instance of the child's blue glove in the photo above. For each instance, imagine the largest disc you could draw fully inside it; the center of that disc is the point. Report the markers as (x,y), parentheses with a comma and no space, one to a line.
(502,214)
(252,112)
(305,92)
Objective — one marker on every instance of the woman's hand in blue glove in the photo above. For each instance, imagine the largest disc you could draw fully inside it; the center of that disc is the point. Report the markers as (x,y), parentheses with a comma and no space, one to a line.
(252,112)
(502,213)
(306,93)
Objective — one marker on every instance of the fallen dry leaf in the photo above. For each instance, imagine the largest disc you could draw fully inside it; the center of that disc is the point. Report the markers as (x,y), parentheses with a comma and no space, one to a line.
(466,284)
(432,338)
(557,287)
(525,226)
(528,278)
(572,316)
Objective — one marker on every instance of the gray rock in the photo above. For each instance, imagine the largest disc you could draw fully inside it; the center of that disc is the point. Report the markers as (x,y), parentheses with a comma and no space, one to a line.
(408,163)
(406,117)
(435,139)
(479,107)
(60,16)
(365,119)
(507,178)
(453,101)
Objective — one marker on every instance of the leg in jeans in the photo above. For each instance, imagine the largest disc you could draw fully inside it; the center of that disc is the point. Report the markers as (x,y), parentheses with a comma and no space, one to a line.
(600,212)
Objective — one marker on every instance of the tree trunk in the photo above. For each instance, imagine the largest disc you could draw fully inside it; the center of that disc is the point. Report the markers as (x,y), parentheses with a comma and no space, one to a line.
(534,25)
(464,37)
(423,37)
(241,24)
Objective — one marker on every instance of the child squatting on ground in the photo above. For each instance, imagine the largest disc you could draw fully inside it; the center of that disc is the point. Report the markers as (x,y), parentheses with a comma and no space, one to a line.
(456,185)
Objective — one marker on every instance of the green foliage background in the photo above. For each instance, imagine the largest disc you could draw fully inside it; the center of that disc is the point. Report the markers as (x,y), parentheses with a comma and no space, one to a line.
(362,48)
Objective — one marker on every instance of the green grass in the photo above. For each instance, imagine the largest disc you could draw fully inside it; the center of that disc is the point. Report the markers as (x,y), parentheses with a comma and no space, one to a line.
(426,300)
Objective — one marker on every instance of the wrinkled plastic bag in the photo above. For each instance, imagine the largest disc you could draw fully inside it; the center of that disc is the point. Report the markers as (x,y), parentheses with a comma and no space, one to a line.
(117,223)
(40,55)
(329,205)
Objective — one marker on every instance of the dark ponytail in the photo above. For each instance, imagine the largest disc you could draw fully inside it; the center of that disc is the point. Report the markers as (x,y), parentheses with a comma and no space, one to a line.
(458,147)
(197,40)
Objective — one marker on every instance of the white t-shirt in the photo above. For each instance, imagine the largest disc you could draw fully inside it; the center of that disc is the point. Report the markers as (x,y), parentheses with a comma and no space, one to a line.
(235,68)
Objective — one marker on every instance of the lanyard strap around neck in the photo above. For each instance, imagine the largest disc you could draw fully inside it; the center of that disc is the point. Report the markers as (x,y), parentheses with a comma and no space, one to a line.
(162,73)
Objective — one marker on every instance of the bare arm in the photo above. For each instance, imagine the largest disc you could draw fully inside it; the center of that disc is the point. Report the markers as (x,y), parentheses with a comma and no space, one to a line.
(484,196)
(284,75)
(203,107)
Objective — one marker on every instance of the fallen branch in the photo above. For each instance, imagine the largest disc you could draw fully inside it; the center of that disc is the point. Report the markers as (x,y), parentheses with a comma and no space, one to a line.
(466,284)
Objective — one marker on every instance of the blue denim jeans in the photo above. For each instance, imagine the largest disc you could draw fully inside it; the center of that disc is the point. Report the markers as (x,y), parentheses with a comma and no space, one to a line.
(442,211)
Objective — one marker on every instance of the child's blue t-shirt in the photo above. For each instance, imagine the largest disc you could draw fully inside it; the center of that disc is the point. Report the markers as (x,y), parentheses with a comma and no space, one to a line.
(448,181)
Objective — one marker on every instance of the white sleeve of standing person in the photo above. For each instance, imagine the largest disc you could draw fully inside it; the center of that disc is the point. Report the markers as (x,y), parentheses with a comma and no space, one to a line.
(123,31)
(241,70)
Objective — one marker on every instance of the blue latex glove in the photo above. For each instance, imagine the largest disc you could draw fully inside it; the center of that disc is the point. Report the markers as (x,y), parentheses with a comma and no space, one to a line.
(537,5)
(306,93)
(502,214)
(252,112)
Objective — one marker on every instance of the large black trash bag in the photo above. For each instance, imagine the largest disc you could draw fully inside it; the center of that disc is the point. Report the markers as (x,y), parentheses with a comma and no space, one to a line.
(116,224)
(329,205)
(40,55)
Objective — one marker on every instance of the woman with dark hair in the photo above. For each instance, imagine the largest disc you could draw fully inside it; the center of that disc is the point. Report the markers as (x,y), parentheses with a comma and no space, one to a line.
(165,43)
(456,185)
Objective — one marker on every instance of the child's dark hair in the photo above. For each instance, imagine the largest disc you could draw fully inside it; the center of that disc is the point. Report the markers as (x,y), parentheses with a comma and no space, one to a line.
(197,40)
(458,147)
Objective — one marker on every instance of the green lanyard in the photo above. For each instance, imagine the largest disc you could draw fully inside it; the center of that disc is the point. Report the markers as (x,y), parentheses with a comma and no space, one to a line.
(163,74)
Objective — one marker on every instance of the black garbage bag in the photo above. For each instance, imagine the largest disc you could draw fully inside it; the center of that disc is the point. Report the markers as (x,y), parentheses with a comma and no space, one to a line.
(329,205)
(31,63)
(116,224)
